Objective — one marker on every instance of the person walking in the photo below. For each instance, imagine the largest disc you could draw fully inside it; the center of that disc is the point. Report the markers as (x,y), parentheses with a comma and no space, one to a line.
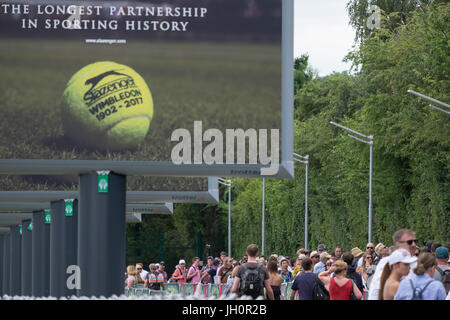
(348,258)
(442,269)
(131,281)
(321,265)
(275,279)
(155,279)
(420,285)
(304,282)
(402,239)
(161,269)
(286,275)
(393,272)
(339,287)
(193,275)
(180,272)
(251,277)
(225,272)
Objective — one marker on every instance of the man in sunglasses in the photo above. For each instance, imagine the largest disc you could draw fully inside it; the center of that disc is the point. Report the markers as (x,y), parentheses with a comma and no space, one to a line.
(403,239)
(370,249)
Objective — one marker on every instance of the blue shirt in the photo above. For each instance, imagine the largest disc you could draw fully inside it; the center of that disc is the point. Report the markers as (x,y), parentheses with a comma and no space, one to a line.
(434,291)
(304,283)
(319,267)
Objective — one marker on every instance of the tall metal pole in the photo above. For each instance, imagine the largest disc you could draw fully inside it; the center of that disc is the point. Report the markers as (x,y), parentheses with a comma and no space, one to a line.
(229,218)
(263,214)
(370,143)
(306,206)
(370,192)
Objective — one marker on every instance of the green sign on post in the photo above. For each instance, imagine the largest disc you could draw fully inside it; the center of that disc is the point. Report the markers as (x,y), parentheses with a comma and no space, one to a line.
(20,229)
(68,210)
(103,181)
(30,226)
(47,217)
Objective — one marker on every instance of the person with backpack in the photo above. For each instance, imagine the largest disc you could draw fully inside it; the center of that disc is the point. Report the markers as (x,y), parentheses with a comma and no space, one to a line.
(252,277)
(393,272)
(442,272)
(180,272)
(193,275)
(420,285)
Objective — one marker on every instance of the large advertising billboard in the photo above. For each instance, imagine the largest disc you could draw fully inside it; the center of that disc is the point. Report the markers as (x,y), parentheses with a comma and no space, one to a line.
(174,87)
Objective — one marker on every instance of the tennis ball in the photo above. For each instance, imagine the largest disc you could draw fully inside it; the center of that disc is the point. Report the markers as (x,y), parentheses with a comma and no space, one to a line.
(107,106)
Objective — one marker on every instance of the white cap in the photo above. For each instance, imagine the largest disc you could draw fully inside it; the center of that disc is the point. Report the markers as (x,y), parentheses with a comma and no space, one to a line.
(181,261)
(401,255)
(301,256)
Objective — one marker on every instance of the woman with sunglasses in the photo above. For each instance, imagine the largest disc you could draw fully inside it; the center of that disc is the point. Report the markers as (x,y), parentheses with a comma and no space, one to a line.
(366,270)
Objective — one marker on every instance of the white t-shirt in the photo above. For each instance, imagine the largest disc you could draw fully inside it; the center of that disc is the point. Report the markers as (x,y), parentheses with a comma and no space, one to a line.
(144,274)
(374,288)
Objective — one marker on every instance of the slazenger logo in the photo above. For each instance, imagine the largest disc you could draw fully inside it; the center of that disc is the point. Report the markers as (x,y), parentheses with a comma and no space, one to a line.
(95,93)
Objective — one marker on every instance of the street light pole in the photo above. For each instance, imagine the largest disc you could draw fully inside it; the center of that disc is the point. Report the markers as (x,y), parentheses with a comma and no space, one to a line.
(306,162)
(443,104)
(263,214)
(369,141)
(228,184)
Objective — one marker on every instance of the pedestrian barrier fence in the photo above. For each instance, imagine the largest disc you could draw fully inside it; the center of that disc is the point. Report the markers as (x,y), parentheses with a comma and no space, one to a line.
(189,289)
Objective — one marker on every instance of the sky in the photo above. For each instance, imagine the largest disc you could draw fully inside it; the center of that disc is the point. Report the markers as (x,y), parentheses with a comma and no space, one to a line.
(321,29)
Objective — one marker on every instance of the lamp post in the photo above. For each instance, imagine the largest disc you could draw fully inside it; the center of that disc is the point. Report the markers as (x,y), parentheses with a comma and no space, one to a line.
(369,141)
(228,184)
(263,214)
(443,104)
(304,160)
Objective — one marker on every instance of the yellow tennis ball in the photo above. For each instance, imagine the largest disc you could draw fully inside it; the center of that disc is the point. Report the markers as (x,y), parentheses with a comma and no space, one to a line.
(107,106)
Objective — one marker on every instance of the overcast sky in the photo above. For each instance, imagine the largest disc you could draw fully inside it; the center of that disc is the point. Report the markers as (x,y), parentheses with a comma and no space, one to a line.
(321,29)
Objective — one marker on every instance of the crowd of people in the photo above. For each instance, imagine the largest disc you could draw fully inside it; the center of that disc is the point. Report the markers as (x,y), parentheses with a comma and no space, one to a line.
(403,271)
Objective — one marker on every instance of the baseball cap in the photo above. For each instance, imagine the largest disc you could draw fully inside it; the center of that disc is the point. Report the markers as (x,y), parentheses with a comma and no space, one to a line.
(314,254)
(401,255)
(321,247)
(216,262)
(325,255)
(210,257)
(181,261)
(441,253)
(163,263)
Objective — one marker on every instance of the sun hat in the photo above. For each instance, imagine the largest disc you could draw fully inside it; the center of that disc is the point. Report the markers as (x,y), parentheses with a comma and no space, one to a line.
(181,261)
(401,255)
(325,255)
(314,253)
(357,252)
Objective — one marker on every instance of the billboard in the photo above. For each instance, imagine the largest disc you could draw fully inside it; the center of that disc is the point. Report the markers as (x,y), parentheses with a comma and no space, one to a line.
(168,88)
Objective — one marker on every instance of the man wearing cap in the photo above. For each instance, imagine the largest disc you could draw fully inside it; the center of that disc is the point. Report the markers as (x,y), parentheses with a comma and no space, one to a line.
(442,259)
(321,248)
(180,272)
(320,266)
(403,239)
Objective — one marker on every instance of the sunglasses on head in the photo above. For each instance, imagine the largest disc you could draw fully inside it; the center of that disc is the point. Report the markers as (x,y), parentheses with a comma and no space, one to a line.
(409,242)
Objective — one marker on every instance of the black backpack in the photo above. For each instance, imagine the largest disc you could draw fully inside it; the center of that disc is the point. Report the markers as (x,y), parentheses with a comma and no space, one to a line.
(319,292)
(445,278)
(251,281)
(417,292)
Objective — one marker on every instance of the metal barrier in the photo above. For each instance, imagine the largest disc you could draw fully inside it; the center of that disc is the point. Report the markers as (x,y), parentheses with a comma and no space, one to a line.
(189,289)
